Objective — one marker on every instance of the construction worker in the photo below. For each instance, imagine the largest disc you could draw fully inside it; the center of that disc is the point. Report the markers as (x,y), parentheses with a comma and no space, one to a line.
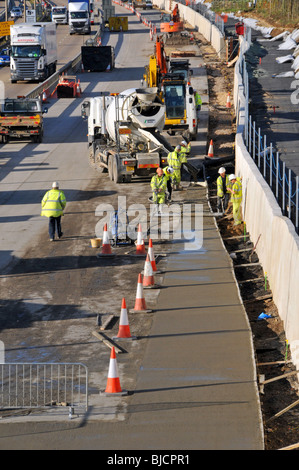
(175,160)
(236,197)
(158,185)
(198,100)
(168,172)
(53,204)
(222,190)
(185,148)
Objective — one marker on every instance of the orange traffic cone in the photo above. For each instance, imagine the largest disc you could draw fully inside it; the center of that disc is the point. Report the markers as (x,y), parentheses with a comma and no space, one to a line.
(140,305)
(211,149)
(152,257)
(148,277)
(228,103)
(140,248)
(106,247)
(113,383)
(78,91)
(124,328)
(44,98)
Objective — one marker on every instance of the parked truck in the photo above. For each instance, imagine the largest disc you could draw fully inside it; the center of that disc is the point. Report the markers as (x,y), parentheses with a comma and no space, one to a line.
(79,17)
(59,15)
(22,118)
(33,51)
(124,133)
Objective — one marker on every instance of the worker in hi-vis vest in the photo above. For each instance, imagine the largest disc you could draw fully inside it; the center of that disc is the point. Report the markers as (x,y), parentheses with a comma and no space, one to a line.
(168,172)
(236,198)
(222,190)
(158,185)
(53,204)
(175,160)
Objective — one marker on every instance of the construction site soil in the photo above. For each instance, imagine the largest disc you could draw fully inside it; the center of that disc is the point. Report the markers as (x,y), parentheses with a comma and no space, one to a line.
(272,356)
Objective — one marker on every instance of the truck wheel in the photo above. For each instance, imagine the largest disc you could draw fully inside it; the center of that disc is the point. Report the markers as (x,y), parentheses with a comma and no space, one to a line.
(116,175)
(110,168)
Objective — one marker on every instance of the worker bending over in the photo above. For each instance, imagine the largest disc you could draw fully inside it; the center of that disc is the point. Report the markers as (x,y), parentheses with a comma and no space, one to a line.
(236,198)
(168,172)
(159,185)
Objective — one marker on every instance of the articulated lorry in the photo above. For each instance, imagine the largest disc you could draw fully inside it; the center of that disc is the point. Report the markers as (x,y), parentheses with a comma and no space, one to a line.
(124,133)
(59,15)
(33,51)
(79,17)
(22,118)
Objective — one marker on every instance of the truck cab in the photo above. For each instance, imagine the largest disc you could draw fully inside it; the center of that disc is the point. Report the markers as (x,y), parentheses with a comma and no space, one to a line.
(59,15)
(180,114)
(79,18)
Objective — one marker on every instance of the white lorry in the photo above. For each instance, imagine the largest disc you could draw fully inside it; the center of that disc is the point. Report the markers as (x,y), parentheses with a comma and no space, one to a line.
(124,133)
(33,51)
(59,15)
(79,17)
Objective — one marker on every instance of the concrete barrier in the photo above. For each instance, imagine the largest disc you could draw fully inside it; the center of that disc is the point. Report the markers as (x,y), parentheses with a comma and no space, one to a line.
(278,246)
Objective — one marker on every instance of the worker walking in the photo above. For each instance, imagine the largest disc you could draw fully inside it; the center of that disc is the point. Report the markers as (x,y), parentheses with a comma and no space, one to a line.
(175,160)
(158,185)
(53,204)
(236,198)
(222,190)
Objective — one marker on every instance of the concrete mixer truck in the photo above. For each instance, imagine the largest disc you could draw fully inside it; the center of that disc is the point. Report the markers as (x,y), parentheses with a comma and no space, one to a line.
(124,133)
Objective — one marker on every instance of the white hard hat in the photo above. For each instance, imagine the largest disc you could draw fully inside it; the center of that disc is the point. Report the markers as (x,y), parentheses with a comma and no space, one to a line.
(170,169)
(55,185)
(221,170)
(184,142)
(232,177)
(178,147)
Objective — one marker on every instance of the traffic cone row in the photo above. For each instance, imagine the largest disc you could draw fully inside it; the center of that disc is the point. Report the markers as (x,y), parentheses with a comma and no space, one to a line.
(113,387)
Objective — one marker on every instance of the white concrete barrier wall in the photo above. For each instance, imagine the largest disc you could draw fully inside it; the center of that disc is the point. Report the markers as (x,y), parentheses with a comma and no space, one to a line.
(276,238)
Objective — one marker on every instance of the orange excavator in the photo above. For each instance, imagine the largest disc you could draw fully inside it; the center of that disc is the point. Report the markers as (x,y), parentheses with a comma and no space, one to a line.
(171,22)
(157,65)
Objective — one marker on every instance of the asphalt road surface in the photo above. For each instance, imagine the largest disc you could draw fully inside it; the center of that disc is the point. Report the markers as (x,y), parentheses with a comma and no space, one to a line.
(190,373)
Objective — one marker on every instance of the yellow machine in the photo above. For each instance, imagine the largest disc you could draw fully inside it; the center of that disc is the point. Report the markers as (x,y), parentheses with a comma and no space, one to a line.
(118,23)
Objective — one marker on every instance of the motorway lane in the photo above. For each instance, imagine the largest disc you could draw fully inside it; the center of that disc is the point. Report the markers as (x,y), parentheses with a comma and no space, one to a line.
(29,169)
(68,47)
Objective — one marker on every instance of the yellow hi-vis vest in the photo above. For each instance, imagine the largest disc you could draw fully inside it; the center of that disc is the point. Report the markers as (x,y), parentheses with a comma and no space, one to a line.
(237,188)
(159,182)
(174,160)
(53,203)
(220,185)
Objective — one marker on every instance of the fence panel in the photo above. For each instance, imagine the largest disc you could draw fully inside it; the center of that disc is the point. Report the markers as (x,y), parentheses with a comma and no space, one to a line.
(38,385)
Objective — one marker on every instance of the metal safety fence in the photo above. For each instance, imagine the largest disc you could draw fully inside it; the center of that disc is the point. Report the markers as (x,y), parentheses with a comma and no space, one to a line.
(40,385)
(281,179)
